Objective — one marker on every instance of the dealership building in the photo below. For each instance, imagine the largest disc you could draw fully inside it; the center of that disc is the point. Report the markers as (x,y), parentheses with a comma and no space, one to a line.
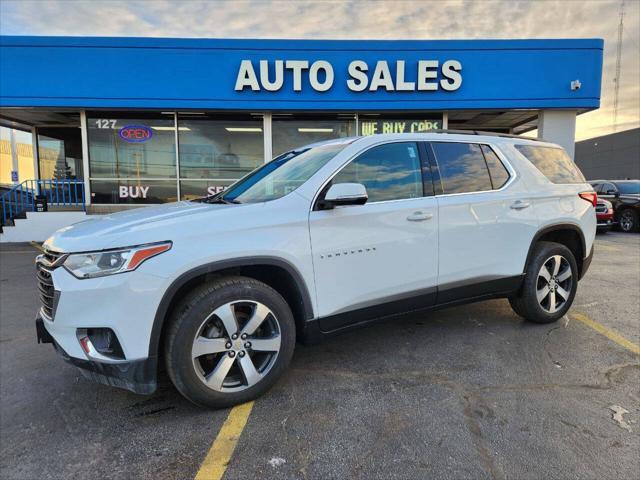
(152,120)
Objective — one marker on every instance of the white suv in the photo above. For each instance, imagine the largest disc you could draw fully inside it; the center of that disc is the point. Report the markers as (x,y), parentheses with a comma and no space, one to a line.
(317,241)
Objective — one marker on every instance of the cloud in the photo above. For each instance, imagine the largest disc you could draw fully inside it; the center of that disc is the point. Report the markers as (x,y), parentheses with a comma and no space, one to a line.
(368,19)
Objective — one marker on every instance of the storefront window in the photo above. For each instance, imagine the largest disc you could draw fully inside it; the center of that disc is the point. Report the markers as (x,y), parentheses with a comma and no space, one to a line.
(60,152)
(23,166)
(371,124)
(131,191)
(216,150)
(292,131)
(136,147)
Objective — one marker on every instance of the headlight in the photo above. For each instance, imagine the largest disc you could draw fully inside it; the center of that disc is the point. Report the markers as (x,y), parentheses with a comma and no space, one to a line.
(108,262)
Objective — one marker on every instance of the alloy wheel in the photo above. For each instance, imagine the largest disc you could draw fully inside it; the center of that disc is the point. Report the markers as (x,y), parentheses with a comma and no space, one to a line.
(626,221)
(236,346)
(554,283)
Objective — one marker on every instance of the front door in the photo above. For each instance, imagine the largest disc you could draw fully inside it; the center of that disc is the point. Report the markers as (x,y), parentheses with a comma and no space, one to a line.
(377,259)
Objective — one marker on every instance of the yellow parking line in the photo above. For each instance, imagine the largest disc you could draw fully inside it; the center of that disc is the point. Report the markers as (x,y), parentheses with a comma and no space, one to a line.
(610,334)
(219,455)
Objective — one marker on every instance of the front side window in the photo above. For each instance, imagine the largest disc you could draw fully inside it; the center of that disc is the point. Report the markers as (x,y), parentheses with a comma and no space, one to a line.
(553,162)
(280,176)
(462,167)
(388,172)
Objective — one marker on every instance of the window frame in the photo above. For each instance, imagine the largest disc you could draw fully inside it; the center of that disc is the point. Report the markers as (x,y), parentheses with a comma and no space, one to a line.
(435,168)
(428,187)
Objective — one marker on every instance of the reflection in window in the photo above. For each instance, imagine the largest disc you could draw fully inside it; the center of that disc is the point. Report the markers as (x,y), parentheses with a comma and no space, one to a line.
(60,152)
(290,132)
(462,167)
(388,172)
(219,148)
(283,174)
(132,147)
(553,162)
(499,174)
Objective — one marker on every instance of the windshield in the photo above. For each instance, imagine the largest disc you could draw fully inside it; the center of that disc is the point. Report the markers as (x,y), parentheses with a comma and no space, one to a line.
(629,188)
(280,176)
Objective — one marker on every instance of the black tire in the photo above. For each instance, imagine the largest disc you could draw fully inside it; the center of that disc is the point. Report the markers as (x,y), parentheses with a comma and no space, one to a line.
(526,303)
(187,321)
(628,220)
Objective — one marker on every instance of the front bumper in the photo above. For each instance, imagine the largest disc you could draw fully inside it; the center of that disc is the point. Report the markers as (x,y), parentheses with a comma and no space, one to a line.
(605,220)
(125,304)
(137,376)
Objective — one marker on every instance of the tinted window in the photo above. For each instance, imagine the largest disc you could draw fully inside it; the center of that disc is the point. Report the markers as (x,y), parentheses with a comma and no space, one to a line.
(554,163)
(462,167)
(499,174)
(629,188)
(607,187)
(389,172)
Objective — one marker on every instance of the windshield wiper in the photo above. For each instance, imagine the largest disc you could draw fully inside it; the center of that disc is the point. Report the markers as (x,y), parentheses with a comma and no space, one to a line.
(217,199)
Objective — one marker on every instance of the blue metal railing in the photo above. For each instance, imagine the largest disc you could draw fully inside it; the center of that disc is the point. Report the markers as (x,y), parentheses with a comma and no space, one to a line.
(22,197)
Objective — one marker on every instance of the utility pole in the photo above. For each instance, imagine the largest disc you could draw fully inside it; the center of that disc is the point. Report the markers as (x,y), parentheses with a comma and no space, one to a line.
(616,80)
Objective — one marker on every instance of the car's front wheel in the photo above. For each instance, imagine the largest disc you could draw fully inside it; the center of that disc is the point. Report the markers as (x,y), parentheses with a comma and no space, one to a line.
(229,341)
(550,284)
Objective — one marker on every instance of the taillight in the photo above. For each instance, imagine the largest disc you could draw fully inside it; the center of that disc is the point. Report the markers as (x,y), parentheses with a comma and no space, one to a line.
(591,197)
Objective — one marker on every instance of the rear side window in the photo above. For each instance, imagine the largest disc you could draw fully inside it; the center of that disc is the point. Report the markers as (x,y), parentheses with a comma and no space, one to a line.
(499,174)
(388,172)
(553,162)
(462,167)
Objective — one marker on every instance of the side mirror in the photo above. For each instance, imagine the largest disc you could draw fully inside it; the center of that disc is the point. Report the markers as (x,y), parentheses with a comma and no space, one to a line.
(341,194)
(611,192)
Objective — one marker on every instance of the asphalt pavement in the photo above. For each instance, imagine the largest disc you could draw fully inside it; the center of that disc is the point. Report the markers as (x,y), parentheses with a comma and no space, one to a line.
(469,392)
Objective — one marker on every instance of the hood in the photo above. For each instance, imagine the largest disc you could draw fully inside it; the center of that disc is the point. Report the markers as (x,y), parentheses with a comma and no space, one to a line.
(131,227)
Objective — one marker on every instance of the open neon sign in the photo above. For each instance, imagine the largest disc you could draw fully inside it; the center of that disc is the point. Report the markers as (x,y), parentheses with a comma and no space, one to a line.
(135,133)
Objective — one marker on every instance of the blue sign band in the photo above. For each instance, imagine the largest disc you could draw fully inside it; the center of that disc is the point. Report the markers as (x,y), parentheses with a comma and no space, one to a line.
(202,74)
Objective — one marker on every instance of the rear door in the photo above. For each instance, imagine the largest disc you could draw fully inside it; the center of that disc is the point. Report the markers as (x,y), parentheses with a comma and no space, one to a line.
(379,258)
(486,221)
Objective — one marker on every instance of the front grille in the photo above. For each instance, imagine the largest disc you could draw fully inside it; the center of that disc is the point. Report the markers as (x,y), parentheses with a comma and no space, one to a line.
(45,264)
(601,209)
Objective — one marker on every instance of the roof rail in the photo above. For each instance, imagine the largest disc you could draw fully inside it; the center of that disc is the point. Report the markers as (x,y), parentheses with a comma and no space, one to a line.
(489,134)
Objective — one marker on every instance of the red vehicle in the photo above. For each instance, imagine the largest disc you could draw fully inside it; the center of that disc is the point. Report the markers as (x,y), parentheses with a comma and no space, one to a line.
(604,214)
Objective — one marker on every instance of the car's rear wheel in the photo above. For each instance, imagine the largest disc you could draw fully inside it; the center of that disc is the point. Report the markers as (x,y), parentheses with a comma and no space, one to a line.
(229,341)
(628,220)
(550,284)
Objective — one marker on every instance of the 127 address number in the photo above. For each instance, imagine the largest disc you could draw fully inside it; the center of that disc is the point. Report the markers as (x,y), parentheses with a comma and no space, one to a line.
(106,123)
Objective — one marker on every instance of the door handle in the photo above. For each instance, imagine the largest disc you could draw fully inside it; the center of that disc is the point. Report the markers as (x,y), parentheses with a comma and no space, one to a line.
(519,205)
(419,216)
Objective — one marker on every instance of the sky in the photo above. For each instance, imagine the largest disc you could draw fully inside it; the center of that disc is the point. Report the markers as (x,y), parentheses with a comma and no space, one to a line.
(355,19)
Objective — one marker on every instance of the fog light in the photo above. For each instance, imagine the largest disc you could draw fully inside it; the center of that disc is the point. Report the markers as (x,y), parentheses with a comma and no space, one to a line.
(100,344)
